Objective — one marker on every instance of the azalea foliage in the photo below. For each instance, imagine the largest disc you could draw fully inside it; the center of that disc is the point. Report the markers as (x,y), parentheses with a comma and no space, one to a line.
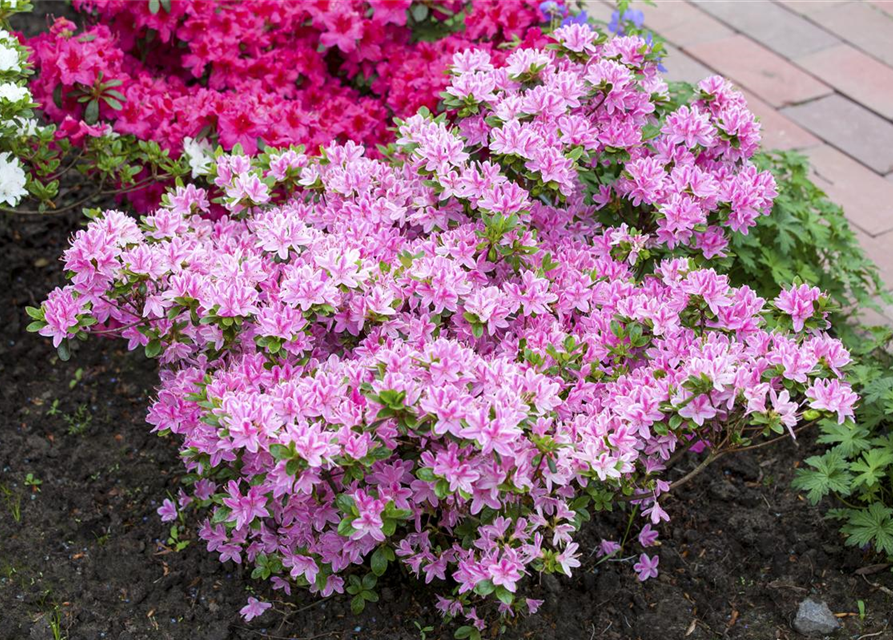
(452,355)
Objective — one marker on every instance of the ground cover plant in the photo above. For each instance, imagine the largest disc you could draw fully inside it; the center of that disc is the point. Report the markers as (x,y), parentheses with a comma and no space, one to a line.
(453,355)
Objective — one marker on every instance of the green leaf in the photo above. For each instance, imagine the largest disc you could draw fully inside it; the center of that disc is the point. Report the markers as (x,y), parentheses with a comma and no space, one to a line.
(426,474)
(379,561)
(484,588)
(369,581)
(113,103)
(34,312)
(153,348)
(221,515)
(870,467)
(357,604)
(91,113)
(849,437)
(64,350)
(871,526)
(279,451)
(345,528)
(292,467)
(828,473)
(505,596)
(347,504)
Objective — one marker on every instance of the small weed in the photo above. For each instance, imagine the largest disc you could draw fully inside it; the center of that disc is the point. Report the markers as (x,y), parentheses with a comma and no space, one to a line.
(104,538)
(79,421)
(861,605)
(78,376)
(33,482)
(54,408)
(112,469)
(55,622)
(174,540)
(423,631)
(13,502)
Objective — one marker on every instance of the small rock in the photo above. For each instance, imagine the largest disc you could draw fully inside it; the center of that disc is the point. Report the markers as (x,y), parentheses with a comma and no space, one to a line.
(815,619)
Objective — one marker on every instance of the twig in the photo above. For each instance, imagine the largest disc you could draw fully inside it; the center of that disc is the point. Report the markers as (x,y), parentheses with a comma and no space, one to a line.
(62,172)
(99,192)
(121,328)
(877,586)
(677,455)
(688,477)
(872,635)
(772,441)
(36,212)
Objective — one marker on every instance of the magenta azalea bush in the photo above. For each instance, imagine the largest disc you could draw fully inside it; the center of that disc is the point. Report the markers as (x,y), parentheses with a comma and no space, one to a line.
(278,72)
(450,356)
(146,90)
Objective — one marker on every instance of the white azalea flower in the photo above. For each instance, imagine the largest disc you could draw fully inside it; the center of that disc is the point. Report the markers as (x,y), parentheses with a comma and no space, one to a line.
(199,154)
(12,180)
(9,59)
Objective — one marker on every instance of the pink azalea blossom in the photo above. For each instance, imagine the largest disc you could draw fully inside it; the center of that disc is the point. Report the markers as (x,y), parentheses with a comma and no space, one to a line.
(253,609)
(646,567)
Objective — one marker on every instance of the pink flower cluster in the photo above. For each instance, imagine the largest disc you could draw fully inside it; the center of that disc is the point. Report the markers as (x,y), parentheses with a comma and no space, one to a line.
(449,357)
(681,183)
(277,72)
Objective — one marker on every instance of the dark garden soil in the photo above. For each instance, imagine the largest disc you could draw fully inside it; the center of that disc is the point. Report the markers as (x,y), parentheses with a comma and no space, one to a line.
(85,551)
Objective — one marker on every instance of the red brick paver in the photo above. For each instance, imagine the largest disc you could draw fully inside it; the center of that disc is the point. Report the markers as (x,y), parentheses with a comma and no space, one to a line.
(850,127)
(684,68)
(878,248)
(683,24)
(772,25)
(884,5)
(758,69)
(855,74)
(860,23)
(865,196)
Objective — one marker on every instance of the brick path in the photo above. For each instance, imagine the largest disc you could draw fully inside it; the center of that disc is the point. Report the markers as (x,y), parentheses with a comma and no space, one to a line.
(818,73)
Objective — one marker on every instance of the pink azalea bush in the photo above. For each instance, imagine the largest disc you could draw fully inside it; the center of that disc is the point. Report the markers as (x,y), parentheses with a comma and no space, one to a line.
(451,356)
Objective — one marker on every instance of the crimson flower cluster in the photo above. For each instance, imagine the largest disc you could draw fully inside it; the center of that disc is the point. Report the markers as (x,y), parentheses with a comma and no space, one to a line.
(278,72)
(452,355)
